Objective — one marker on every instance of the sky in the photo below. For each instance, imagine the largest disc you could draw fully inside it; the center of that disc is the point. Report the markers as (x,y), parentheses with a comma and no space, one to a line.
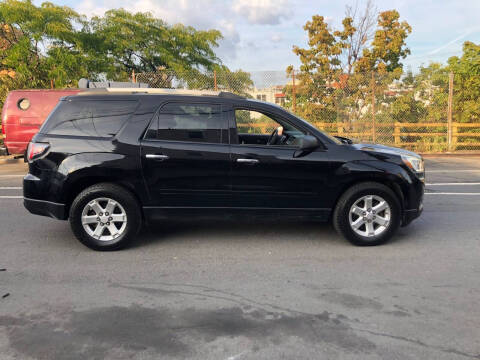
(259,34)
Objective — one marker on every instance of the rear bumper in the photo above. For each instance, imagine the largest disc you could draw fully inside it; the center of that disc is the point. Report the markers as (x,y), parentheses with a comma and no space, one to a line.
(45,208)
(32,191)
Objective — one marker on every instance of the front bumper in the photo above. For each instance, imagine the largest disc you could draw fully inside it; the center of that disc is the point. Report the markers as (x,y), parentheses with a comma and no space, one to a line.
(410,215)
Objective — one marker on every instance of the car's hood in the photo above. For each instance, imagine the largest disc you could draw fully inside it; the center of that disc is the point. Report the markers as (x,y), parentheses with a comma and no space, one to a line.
(384,149)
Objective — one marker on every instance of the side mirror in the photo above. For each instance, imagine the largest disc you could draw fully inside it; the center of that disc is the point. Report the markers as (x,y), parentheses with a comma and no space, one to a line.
(307,144)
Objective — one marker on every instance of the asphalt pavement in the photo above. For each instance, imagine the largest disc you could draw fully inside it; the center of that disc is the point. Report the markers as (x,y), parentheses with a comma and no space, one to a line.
(247,290)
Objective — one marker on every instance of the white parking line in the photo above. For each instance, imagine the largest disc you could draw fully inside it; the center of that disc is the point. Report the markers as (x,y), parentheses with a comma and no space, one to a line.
(452,193)
(10,188)
(451,183)
(451,171)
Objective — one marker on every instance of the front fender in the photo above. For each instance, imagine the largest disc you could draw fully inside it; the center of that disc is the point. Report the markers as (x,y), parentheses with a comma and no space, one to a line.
(407,187)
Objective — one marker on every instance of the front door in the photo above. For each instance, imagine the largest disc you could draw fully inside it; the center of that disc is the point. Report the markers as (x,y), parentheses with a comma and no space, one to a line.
(265,172)
(186,158)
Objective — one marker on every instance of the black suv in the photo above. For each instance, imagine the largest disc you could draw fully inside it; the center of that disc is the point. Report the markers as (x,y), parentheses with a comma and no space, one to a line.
(110,160)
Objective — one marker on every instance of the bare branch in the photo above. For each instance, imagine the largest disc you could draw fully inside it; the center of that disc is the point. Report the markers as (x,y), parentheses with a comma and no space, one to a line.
(364,23)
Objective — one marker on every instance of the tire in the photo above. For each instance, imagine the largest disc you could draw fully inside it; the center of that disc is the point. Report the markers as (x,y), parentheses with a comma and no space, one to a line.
(124,208)
(369,233)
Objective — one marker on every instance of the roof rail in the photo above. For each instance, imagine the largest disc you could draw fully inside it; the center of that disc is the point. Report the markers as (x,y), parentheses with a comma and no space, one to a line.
(87,84)
(160,91)
(230,95)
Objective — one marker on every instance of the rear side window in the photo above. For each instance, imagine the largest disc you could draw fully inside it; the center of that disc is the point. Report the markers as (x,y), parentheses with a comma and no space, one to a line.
(189,122)
(89,118)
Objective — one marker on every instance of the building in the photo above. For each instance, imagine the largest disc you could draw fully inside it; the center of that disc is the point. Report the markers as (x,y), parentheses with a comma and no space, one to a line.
(273,94)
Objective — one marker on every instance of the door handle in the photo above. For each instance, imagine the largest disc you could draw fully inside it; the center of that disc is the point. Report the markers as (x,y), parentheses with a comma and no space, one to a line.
(157,157)
(248,161)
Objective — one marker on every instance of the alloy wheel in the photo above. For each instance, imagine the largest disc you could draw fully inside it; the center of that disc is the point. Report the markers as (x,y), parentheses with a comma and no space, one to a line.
(104,219)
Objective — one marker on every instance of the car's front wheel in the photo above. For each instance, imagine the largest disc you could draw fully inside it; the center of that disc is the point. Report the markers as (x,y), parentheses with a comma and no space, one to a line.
(367,214)
(105,217)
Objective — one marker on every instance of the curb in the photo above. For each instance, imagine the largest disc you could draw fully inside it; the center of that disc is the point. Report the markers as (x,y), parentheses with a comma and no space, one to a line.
(10,161)
(466,154)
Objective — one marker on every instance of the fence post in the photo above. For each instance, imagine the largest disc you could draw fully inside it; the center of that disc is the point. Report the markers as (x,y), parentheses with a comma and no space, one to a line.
(454,135)
(294,93)
(450,110)
(396,133)
(374,135)
(340,129)
(215,80)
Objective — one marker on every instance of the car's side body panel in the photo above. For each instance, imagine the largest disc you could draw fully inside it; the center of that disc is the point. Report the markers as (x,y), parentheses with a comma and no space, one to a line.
(202,179)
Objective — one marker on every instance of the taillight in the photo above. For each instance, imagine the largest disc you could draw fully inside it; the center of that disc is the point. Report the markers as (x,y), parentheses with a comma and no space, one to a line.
(36,150)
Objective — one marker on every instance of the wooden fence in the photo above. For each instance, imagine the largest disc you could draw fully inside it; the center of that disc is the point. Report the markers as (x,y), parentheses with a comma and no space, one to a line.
(423,137)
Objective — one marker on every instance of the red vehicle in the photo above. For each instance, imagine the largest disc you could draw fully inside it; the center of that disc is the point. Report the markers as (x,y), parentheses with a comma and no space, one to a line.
(24,112)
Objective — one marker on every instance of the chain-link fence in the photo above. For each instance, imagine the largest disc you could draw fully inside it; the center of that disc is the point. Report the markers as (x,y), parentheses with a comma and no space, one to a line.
(425,112)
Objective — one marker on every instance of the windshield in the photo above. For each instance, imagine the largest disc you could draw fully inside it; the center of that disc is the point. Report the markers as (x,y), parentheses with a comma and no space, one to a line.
(334,139)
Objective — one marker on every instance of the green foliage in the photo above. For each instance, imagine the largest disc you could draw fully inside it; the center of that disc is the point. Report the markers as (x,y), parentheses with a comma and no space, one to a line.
(237,81)
(388,46)
(467,83)
(407,109)
(49,42)
(336,84)
(39,43)
(140,42)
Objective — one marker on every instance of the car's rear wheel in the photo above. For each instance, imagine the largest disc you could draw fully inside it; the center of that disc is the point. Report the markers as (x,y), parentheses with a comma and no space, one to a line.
(105,217)
(367,214)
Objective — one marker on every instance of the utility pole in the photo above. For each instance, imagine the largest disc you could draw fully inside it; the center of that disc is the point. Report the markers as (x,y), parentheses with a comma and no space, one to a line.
(450,110)
(294,95)
(374,135)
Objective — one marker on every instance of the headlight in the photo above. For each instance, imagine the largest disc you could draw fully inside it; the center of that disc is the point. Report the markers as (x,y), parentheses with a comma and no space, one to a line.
(414,163)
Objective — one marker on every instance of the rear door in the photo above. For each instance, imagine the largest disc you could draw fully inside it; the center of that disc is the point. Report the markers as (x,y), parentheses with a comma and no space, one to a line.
(186,157)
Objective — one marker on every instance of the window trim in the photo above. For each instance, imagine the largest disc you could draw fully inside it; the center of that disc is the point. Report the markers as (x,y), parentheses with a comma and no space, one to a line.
(223,110)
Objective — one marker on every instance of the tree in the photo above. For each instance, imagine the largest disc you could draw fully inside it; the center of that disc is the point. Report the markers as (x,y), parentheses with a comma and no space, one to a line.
(388,46)
(364,24)
(336,68)
(467,83)
(142,43)
(41,43)
(237,81)
(49,42)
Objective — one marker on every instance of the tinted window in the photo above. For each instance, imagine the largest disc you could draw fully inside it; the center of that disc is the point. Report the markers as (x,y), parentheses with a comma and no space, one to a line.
(89,118)
(190,122)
